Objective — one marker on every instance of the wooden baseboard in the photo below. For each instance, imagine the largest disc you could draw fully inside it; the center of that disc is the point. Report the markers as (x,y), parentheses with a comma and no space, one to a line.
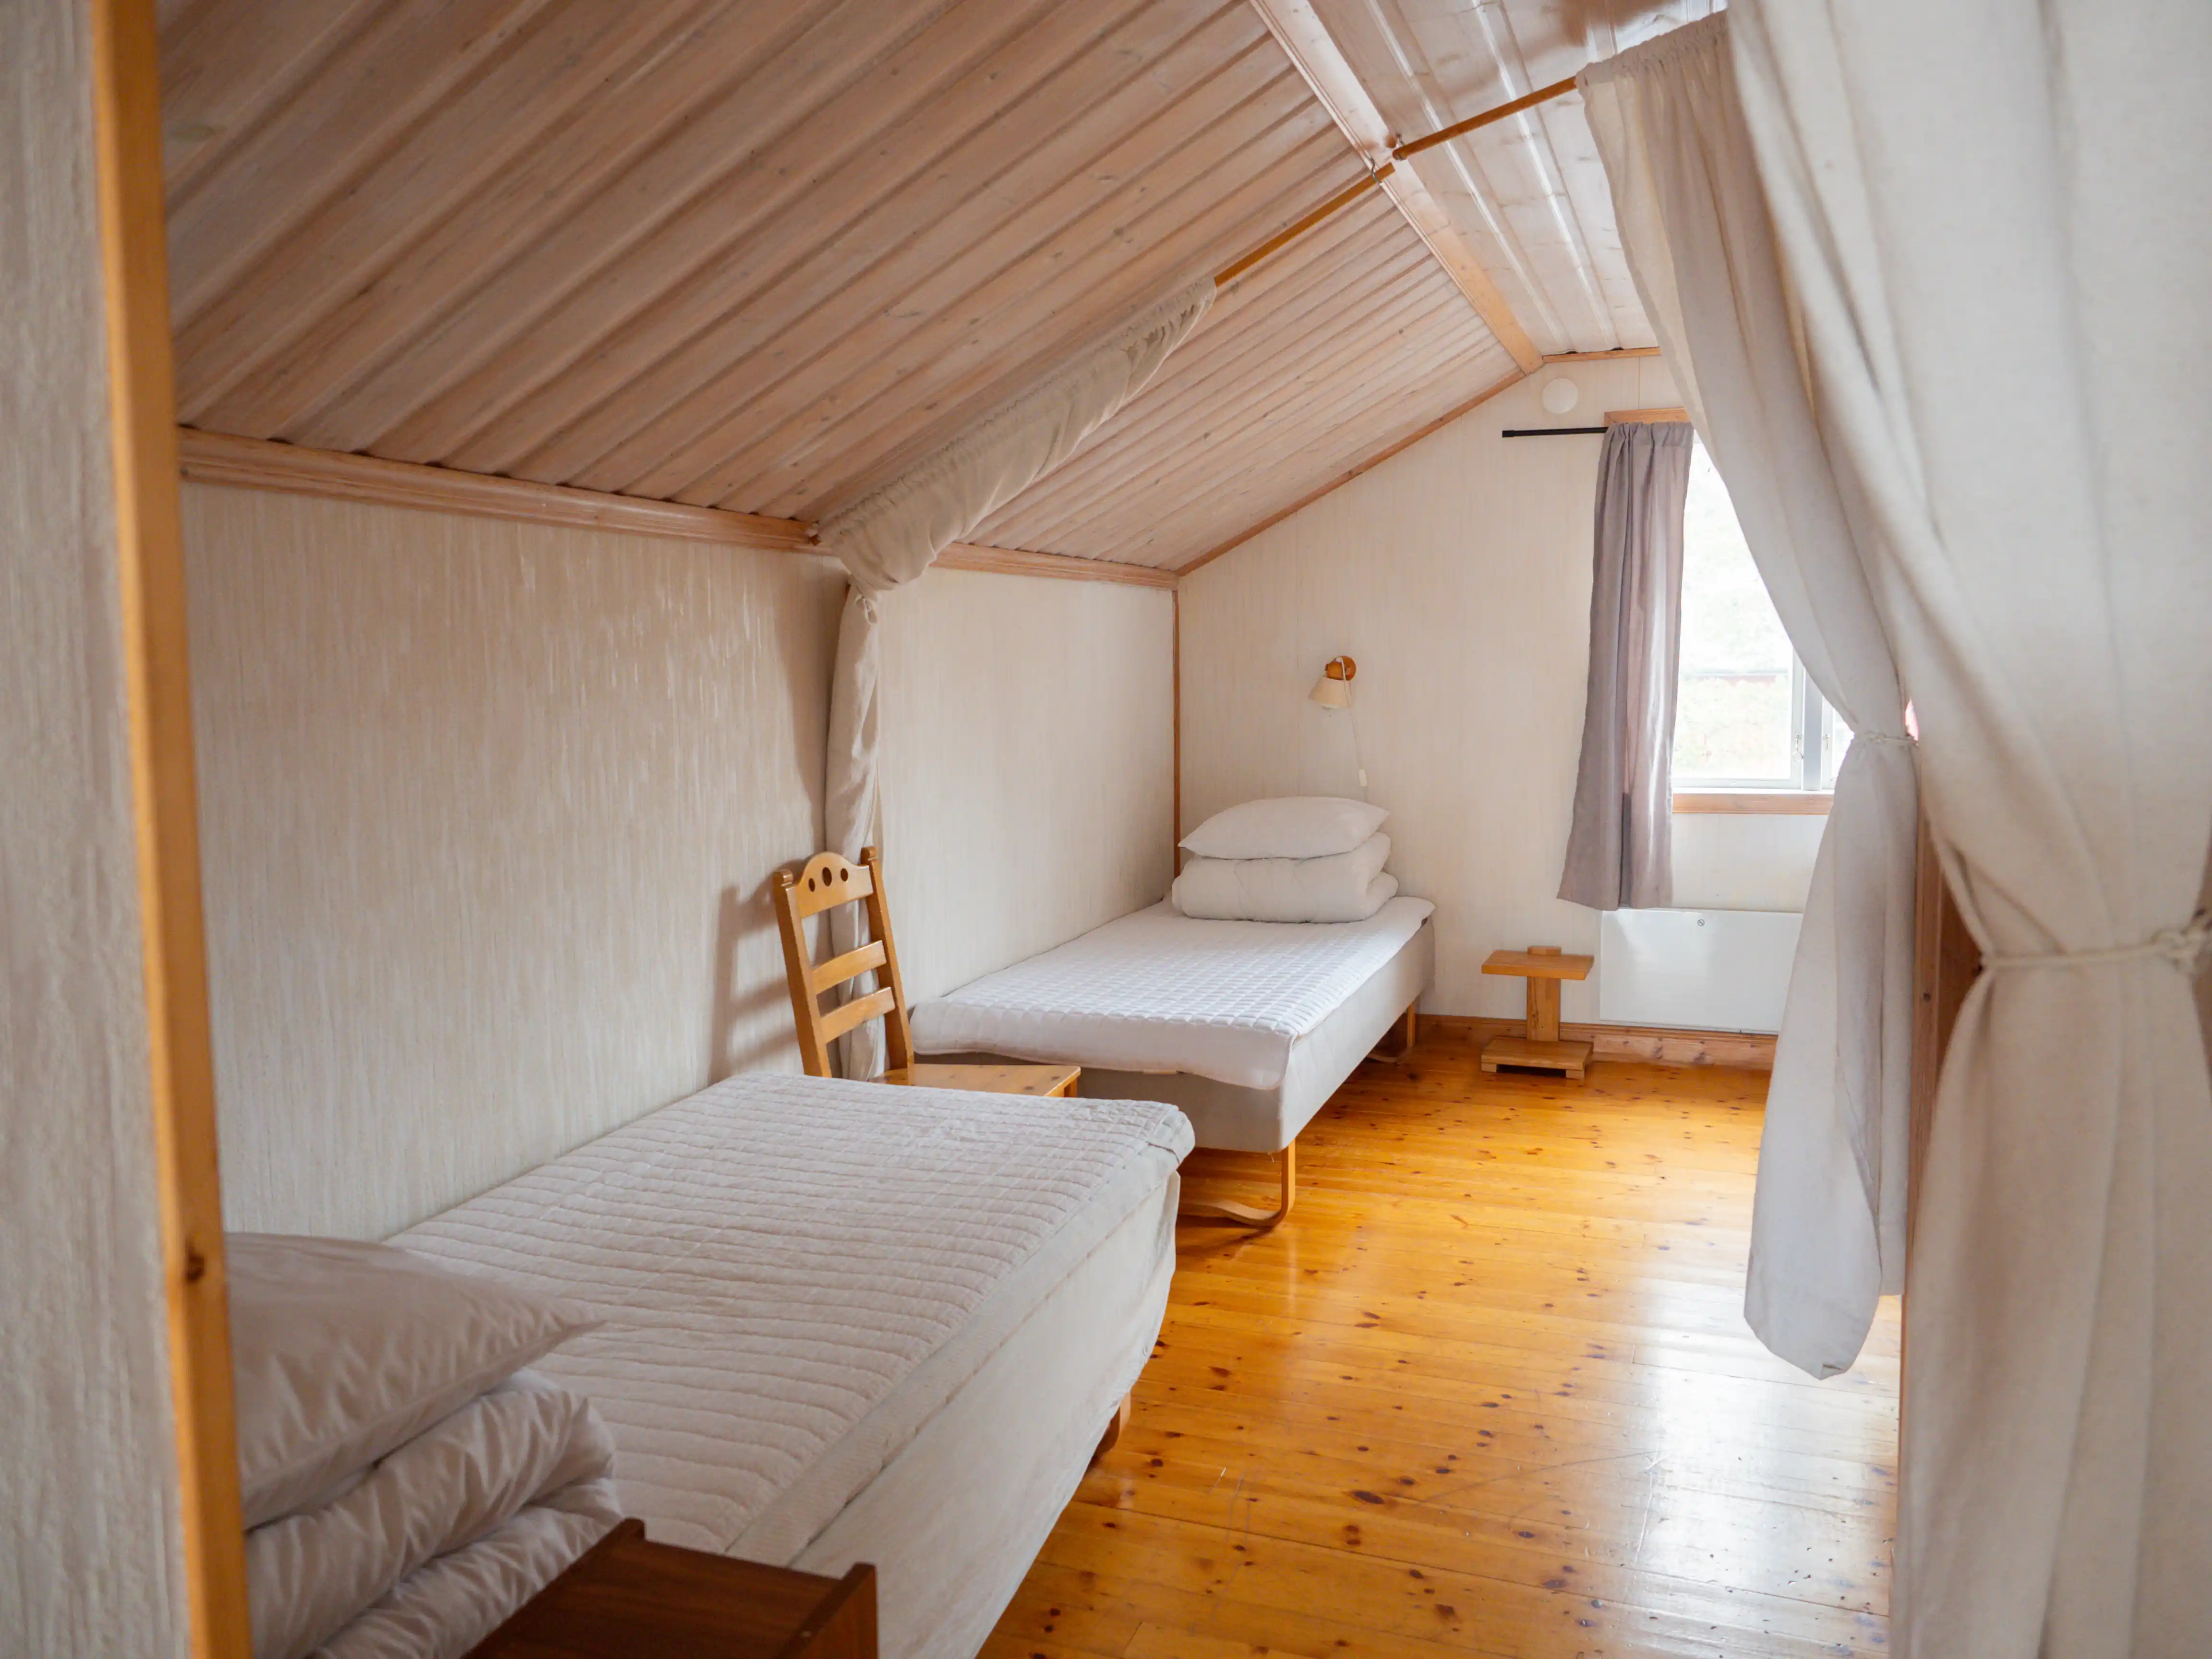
(1662,1045)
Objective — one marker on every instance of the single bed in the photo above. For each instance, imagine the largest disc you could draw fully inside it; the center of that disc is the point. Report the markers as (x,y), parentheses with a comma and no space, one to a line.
(1247,1026)
(847,1323)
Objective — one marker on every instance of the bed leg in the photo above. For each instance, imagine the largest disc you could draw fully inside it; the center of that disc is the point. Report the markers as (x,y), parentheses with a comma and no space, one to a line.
(1406,1027)
(1245,1214)
(1115,1426)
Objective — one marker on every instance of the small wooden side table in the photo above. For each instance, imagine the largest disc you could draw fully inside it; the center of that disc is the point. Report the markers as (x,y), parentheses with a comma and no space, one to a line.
(1543,966)
(629,1598)
(1009,1078)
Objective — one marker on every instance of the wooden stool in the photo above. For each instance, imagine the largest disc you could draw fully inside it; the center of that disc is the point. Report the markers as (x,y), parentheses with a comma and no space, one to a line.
(1543,966)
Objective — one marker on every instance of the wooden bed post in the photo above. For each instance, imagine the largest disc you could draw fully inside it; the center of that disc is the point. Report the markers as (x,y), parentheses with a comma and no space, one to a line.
(1407,1025)
(150,559)
(1116,1426)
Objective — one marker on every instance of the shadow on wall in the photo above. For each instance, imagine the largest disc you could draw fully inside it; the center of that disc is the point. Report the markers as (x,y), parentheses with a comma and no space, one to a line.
(742,917)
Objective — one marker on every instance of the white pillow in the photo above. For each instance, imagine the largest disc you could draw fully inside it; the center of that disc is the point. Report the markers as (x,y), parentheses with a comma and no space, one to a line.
(341,1351)
(1291,827)
(1345,887)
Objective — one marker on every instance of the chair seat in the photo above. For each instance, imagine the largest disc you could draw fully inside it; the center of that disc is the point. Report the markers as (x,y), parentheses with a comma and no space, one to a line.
(990,1080)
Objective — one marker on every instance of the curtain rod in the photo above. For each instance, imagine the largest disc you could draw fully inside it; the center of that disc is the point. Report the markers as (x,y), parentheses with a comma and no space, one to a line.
(1613,417)
(1445,135)
(1282,239)
(1230,273)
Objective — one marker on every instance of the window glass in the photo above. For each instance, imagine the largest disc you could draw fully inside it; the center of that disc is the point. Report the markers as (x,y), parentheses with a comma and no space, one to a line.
(1736,708)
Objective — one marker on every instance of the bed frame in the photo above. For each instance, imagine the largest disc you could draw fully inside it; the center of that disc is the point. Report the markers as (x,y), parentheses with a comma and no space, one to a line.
(1405,1031)
(1408,1027)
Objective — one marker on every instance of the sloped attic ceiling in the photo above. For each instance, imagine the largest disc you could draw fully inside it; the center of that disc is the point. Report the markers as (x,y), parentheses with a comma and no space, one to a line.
(756,254)
(1528,194)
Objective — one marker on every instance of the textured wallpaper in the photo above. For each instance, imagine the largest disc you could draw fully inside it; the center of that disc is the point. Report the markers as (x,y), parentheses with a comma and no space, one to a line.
(1028,775)
(89,1533)
(489,811)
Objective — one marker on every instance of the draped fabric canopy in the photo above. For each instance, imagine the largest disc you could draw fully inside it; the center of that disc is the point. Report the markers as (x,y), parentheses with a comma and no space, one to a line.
(1828,1228)
(1997,221)
(1957,336)
(891,535)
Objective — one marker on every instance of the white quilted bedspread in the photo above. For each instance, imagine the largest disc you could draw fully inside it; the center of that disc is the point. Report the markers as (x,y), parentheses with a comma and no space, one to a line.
(1160,992)
(796,1273)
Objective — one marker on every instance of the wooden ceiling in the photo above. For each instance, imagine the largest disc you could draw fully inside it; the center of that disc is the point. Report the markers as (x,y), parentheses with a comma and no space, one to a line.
(1351,337)
(758,254)
(1529,195)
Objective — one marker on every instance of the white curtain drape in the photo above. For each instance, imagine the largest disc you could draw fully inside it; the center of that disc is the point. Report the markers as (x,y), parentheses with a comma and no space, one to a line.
(1828,1226)
(891,535)
(1997,224)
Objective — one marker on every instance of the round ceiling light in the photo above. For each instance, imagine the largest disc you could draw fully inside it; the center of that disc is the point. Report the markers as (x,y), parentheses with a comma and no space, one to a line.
(1560,396)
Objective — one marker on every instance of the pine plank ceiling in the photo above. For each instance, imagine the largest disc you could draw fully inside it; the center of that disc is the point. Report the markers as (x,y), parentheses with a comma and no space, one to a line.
(1528,194)
(758,254)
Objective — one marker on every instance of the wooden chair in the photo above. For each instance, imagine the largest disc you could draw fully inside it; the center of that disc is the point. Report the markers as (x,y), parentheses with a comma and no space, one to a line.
(827,880)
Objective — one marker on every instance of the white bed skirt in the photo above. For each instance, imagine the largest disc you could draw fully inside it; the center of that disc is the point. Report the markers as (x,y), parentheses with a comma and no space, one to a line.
(955,1519)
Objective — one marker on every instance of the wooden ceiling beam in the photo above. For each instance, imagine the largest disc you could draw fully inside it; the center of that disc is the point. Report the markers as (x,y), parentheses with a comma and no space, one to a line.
(217,458)
(1019,561)
(1306,38)
(1600,356)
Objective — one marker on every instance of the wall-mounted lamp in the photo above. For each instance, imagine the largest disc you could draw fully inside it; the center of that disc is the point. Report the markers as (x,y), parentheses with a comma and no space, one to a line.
(1334,689)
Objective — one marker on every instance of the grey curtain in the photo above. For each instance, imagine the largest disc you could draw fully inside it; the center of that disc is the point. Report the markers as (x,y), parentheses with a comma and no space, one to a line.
(1620,854)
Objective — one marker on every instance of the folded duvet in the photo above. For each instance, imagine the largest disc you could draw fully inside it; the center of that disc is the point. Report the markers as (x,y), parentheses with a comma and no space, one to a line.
(1341,887)
(428,1550)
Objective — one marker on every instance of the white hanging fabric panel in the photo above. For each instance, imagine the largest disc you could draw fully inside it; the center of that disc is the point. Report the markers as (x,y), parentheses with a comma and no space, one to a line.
(891,535)
(1828,1224)
(1996,221)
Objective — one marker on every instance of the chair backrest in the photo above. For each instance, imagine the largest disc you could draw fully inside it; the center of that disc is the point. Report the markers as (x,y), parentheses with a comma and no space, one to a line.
(825,880)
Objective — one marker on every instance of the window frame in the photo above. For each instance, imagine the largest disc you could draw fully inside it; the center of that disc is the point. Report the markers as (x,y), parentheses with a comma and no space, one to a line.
(1805,789)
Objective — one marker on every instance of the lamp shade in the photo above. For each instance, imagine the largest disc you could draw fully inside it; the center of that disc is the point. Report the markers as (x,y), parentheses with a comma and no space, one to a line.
(1334,689)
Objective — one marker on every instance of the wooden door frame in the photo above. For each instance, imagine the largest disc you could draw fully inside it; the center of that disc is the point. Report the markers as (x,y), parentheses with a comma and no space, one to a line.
(150,572)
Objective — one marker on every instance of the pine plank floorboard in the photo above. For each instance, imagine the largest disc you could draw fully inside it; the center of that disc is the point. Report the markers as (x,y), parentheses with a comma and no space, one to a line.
(1489,1391)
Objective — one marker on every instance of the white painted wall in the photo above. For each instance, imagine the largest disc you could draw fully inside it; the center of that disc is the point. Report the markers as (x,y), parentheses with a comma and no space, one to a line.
(1726,862)
(490,811)
(90,1539)
(1457,574)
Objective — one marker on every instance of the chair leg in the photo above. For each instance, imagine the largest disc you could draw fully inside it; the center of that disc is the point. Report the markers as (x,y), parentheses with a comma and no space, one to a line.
(1244,1214)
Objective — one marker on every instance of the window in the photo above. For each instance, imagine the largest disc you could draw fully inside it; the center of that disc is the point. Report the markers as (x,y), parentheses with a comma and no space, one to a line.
(1745,715)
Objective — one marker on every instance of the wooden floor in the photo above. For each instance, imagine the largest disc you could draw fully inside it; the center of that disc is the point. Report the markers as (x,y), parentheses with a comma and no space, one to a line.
(1488,1391)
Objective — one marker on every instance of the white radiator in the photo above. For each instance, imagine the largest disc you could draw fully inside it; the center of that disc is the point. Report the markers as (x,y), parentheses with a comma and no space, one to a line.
(1713,971)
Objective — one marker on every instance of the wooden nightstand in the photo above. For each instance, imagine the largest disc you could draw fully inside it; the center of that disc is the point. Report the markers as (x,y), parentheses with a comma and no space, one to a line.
(1543,966)
(629,1598)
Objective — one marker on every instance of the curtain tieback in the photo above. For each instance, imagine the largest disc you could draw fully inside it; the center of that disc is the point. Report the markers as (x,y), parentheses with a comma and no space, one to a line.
(1881,737)
(2185,947)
